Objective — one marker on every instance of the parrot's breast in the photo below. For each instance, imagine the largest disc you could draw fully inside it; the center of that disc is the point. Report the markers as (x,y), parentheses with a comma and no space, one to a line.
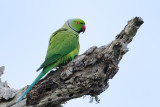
(63,60)
(71,55)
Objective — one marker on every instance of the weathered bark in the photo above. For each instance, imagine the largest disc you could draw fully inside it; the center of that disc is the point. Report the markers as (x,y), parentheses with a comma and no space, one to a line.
(87,74)
(6,92)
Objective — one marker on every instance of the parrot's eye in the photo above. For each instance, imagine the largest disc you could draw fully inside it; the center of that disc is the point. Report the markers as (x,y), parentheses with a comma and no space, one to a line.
(77,22)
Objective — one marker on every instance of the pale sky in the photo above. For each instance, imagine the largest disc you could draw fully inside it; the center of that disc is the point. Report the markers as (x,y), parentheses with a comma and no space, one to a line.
(26,25)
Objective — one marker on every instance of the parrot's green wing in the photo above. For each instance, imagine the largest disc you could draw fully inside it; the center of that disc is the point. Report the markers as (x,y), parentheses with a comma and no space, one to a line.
(61,43)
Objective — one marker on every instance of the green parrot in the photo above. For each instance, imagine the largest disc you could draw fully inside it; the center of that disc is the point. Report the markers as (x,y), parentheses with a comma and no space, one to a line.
(63,47)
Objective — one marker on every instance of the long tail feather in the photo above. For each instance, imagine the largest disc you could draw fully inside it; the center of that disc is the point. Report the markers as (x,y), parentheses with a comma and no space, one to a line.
(45,70)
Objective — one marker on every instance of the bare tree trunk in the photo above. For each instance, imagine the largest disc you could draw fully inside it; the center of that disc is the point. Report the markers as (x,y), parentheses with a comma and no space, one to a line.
(87,74)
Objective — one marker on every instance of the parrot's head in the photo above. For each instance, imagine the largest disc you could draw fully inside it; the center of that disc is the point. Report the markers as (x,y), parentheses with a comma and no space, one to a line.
(77,25)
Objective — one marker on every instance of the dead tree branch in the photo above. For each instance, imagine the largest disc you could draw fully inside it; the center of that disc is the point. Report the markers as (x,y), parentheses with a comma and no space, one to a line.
(87,74)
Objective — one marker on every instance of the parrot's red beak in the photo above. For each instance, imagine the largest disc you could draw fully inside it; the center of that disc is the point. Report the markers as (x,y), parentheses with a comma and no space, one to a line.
(83,28)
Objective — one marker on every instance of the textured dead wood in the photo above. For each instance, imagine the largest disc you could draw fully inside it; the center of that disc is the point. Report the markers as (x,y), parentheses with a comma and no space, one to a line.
(6,92)
(87,74)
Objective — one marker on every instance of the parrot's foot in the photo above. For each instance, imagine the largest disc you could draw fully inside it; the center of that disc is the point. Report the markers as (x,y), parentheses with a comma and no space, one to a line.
(75,56)
(62,66)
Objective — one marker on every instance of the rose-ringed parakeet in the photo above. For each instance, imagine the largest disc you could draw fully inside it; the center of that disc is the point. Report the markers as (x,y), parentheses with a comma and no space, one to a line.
(63,47)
